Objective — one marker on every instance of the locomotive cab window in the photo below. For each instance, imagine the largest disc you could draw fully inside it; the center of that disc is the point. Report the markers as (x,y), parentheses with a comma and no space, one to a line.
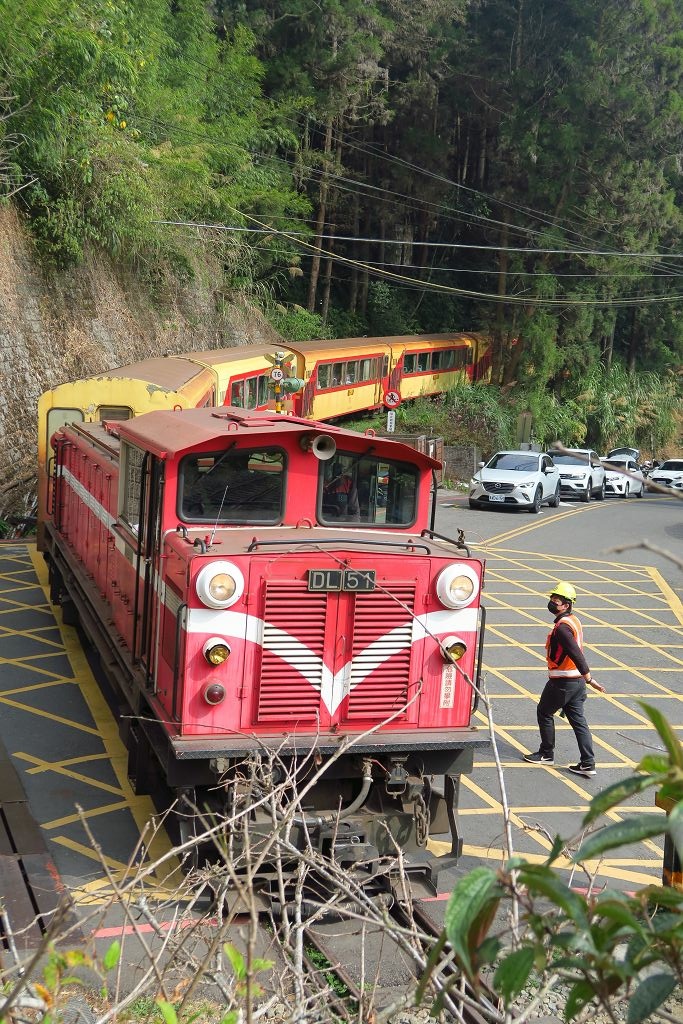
(132,459)
(367,491)
(234,486)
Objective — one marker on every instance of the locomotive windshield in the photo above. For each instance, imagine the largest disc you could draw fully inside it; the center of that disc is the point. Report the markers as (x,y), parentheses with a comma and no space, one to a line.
(232,486)
(367,490)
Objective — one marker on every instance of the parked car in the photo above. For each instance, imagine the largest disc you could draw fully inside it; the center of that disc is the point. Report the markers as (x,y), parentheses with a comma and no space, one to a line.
(623,477)
(582,474)
(670,474)
(514,479)
(632,453)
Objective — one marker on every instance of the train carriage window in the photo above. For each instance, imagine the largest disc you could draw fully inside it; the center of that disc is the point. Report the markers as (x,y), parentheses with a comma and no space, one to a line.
(424,361)
(365,369)
(324,375)
(114,412)
(251,393)
(57,418)
(337,374)
(351,373)
(237,394)
(234,486)
(438,362)
(263,393)
(409,362)
(367,491)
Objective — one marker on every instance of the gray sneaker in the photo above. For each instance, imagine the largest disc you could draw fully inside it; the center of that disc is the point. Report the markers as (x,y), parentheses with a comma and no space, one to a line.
(539,758)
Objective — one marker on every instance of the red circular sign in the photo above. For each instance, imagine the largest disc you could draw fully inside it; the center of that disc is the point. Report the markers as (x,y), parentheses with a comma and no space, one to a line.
(391,399)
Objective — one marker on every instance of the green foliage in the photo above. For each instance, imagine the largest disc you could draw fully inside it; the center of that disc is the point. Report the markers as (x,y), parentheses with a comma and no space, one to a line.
(131,113)
(601,945)
(297,324)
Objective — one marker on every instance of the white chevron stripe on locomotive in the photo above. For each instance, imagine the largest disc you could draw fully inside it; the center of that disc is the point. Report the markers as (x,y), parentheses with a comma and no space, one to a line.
(333,687)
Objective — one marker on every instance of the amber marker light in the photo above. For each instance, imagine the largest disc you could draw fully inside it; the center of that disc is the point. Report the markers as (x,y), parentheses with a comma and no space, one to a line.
(216,650)
(214,693)
(453,648)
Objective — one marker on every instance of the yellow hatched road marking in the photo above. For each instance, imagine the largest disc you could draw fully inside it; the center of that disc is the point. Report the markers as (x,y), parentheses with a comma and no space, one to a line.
(49,766)
(59,769)
(94,812)
(49,715)
(142,808)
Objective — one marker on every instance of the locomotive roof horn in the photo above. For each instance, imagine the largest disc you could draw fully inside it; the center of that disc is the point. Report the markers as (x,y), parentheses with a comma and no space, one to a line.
(322,445)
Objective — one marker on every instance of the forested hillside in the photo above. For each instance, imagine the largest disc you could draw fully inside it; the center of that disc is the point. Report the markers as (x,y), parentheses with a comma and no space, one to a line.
(362,167)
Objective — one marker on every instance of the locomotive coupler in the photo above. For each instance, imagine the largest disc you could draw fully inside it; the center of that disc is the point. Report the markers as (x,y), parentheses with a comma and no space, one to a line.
(397,780)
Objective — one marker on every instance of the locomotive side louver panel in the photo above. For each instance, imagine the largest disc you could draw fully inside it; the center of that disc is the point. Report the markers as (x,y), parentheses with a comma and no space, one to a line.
(386,664)
(291,669)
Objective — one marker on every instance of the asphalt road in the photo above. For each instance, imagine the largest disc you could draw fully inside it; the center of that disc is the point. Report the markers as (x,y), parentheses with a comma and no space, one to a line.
(630,604)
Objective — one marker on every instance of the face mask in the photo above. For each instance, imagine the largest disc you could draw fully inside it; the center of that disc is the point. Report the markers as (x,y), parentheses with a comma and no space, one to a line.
(552,608)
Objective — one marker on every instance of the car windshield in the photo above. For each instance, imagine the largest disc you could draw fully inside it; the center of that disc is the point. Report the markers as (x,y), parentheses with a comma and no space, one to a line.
(615,452)
(517,462)
(367,491)
(673,464)
(617,464)
(570,459)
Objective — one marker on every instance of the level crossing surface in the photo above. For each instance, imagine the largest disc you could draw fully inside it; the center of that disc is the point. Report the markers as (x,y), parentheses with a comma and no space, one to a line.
(63,742)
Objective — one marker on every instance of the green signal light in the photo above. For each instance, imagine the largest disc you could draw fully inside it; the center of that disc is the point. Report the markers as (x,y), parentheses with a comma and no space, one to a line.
(289,385)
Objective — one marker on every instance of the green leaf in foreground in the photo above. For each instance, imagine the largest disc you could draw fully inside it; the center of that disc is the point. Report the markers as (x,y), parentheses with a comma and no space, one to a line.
(649,995)
(621,834)
(511,975)
(472,895)
(167,1011)
(111,957)
(666,733)
(617,794)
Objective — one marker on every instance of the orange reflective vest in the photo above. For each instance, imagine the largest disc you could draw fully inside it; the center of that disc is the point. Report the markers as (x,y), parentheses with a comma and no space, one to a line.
(561,665)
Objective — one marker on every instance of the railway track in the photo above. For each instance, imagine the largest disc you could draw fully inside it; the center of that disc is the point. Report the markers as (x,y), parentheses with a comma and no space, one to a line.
(370,969)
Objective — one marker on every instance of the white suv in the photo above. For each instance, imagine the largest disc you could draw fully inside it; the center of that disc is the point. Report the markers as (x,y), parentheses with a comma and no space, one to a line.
(516,480)
(582,474)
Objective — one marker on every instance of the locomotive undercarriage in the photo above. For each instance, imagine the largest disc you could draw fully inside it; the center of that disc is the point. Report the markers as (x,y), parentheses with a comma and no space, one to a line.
(349,830)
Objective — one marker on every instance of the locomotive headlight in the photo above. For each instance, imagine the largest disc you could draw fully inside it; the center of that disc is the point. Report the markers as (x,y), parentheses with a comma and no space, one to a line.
(453,648)
(456,586)
(216,650)
(220,584)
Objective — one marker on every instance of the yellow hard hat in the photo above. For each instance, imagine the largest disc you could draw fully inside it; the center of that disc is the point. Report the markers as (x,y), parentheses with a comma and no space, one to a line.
(565,590)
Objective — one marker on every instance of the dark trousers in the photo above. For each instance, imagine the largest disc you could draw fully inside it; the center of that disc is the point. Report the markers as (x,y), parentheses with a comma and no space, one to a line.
(569,694)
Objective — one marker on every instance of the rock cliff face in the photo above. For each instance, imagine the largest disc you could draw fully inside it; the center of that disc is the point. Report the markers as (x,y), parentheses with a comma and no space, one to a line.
(56,328)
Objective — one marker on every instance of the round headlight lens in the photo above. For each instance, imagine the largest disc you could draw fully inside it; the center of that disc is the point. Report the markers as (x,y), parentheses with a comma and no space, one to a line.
(456,586)
(220,584)
(222,587)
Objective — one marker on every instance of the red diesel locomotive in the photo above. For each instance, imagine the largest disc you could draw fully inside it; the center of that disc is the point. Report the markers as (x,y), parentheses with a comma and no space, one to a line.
(268,587)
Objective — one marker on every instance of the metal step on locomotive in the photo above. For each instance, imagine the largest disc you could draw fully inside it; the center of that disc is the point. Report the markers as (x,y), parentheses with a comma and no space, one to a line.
(276,614)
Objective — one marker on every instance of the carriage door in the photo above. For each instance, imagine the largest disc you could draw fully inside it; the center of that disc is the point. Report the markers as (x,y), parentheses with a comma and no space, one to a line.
(146,616)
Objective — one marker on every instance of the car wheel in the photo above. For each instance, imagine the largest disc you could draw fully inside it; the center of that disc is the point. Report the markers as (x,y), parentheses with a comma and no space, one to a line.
(555,500)
(627,490)
(538,501)
(473,504)
(586,496)
(601,492)
(640,493)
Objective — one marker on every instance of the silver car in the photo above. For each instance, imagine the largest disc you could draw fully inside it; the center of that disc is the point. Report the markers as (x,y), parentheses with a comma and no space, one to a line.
(582,474)
(623,477)
(514,479)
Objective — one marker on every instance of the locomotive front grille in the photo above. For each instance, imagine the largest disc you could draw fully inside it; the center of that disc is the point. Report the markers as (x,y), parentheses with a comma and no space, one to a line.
(385,691)
(293,638)
(302,633)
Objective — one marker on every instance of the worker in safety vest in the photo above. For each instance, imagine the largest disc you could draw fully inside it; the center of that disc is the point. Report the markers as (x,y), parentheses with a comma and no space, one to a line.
(565,691)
